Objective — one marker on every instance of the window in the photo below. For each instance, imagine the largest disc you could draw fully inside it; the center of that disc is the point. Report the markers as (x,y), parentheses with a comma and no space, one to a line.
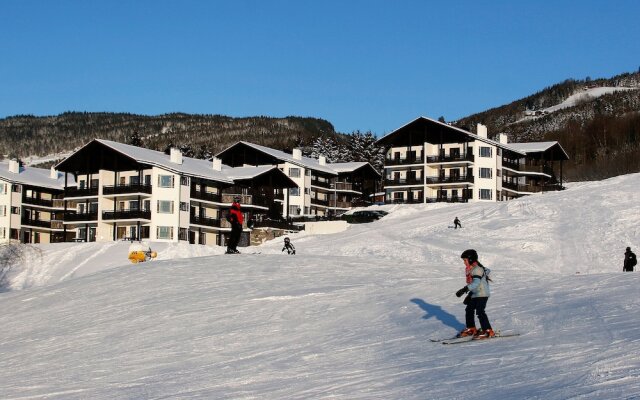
(95,183)
(16,188)
(81,184)
(307,172)
(498,173)
(165,181)
(3,233)
(134,205)
(165,207)
(294,191)
(184,206)
(3,211)
(15,210)
(485,151)
(3,188)
(485,173)
(165,232)
(485,194)
(294,172)
(306,191)
(134,180)
(183,234)
(294,210)
(147,206)
(147,180)
(184,180)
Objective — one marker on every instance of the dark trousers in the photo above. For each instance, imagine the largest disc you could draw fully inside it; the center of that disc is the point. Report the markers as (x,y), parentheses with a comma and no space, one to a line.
(477,306)
(234,236)
(457,224)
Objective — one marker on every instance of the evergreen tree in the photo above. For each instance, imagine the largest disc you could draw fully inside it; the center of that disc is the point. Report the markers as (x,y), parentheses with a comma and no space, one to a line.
(135,139)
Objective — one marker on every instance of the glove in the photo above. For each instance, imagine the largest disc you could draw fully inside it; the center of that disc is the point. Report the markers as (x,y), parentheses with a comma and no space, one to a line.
(462,291)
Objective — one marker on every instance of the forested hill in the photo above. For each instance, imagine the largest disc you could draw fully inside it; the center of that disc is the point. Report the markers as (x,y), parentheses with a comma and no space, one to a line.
(597,121)
(26,135)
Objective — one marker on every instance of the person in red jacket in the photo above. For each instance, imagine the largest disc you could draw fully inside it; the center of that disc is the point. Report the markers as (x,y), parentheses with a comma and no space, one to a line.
(236,219)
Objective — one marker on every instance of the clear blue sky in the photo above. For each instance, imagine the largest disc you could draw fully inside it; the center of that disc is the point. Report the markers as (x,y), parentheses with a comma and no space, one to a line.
(361,65)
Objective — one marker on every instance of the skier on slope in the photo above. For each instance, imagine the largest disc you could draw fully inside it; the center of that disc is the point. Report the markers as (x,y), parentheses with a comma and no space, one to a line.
(476,300)
(236,219)
(630,260)
(456,223)
(289,246)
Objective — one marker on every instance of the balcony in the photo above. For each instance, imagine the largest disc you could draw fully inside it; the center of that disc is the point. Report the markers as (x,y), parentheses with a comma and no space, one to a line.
(81,217)
(449,179)
(205,221)
(324,184)
(524,168)
(206,196)
(37,202)
(391,161)
(404,181)
(453,199)
(126,214)
(35,222)
(450,158)
(83,192)
(531,188)
(126,189)
(409,200)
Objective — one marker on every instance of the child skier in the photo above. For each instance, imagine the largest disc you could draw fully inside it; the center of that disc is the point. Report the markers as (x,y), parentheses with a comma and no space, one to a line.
(476,301)
(289,246)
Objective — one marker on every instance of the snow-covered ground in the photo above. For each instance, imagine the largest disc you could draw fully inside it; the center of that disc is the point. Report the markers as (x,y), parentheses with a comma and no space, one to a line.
(586,95)
(348,317)
(575,99)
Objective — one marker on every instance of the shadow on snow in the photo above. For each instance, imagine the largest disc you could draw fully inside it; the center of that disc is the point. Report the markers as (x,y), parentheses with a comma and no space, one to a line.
(433,311)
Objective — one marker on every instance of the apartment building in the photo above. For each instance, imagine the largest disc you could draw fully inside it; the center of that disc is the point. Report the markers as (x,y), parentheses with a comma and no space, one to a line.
(31,205)
(323,189)
(430,161)
(128,192)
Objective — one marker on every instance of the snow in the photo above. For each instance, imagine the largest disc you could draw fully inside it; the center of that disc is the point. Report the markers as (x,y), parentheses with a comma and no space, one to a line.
(349,317)
(586,95)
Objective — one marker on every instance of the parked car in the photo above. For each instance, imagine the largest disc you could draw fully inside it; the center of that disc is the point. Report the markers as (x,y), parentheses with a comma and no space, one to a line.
(364,216)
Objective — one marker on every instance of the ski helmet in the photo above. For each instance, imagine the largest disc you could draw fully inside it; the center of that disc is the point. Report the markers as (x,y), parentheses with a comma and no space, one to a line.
(470,254)
(286,239)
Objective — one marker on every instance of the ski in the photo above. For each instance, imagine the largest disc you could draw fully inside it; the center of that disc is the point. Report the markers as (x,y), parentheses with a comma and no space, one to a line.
(471,339)
(456,339)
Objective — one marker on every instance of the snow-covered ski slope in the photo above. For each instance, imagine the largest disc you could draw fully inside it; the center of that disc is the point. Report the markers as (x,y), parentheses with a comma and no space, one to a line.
(349,317)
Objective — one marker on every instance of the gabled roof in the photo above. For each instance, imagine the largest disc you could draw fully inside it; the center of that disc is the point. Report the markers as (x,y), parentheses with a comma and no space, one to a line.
(34,177)
(424,129)
(305,162)
(348,167)
(542,147)
(92,157)
(262,172)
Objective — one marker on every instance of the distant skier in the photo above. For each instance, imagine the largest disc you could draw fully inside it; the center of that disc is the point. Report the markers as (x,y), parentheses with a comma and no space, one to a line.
(289,246)
(478,286)
(236,219)
(456,223)
(630,260)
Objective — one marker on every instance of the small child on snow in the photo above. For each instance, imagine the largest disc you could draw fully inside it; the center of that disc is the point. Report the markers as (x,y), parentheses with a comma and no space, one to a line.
(478,287)
(288,246)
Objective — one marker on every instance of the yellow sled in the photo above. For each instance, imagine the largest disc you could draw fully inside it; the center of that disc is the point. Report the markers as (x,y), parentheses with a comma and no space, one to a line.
(140,252)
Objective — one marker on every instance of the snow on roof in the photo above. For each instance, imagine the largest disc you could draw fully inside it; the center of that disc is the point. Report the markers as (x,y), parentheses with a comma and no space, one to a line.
(34,176)
(189,166)
(472,135)
(247,172)
(533,147)
(347,166)
(305,162)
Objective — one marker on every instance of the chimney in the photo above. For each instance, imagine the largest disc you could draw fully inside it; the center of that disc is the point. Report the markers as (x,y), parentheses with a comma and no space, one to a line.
(53,174)
(297,154)
(503,138)
(482,131)
(322,160)
(176,156)
(217,164)
(14,166)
